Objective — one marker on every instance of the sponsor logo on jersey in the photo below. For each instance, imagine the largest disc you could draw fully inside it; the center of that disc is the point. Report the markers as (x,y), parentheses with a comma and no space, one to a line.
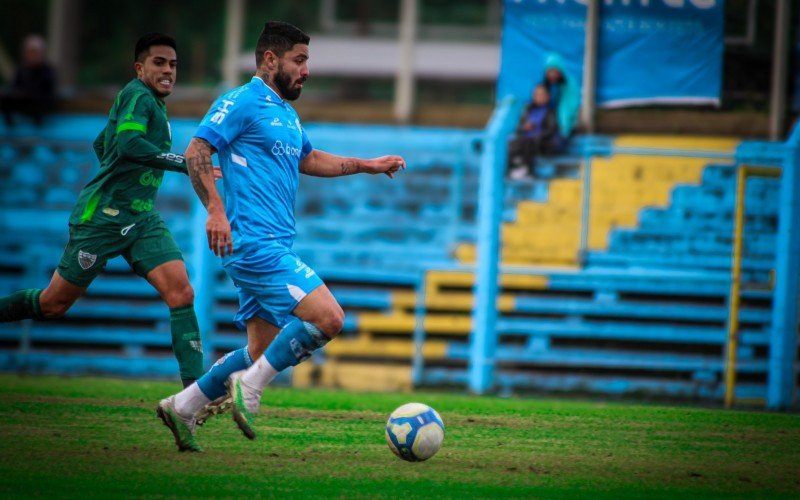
(171,157)
(148,179)
(113,212)
(276,122)
(125,229)
(279,149)
(86,260)
(301,267)
(138,205)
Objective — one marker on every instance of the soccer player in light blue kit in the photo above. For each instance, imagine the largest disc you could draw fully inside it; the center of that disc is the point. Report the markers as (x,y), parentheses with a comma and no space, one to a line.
(286,309)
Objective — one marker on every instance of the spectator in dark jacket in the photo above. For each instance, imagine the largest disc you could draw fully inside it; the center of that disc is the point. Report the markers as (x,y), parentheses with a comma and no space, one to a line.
(536,132)
(565,98)
(34,87)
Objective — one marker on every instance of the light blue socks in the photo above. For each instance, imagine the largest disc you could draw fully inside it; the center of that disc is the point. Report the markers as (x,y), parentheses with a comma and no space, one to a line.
(213,382)
(294,344)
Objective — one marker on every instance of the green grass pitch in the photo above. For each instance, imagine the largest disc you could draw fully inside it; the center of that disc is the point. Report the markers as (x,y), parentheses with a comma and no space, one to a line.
(98,437)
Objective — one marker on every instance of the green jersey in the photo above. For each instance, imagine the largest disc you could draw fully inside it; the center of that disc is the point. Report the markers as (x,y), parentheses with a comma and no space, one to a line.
(133,150)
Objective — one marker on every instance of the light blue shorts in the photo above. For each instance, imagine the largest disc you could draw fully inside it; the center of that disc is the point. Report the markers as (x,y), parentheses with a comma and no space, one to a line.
(271,280)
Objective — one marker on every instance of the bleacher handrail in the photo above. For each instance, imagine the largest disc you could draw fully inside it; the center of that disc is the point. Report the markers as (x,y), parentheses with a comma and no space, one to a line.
(483,339)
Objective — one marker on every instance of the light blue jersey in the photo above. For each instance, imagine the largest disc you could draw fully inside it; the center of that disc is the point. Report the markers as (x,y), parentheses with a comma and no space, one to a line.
(260,143)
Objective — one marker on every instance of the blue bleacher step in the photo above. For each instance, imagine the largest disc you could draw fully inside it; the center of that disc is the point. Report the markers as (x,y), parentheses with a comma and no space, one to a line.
(557,167)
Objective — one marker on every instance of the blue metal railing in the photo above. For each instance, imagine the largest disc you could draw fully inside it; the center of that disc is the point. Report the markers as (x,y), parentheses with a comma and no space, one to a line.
(483,339)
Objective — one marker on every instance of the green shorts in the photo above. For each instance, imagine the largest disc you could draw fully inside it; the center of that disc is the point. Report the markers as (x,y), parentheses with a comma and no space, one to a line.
(145,245)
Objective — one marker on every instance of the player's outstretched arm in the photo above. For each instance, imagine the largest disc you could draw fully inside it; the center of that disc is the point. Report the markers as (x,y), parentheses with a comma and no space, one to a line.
(201,172)
(132,146)
(321,164)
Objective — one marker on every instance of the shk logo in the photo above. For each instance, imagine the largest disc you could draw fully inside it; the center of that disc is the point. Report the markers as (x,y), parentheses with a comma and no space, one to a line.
(276,122)
(278,149)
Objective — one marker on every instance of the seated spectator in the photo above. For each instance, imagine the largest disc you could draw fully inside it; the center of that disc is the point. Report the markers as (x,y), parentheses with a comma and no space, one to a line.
(537,133)
(34,87)
(565,98)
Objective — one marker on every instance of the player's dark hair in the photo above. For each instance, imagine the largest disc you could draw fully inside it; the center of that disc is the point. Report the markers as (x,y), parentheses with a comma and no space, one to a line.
(150,39)
(278,37)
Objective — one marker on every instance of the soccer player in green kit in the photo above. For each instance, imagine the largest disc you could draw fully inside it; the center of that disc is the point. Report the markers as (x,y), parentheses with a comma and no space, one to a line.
(114,214)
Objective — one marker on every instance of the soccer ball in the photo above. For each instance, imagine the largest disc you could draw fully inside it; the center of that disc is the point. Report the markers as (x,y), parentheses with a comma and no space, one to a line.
(414,432)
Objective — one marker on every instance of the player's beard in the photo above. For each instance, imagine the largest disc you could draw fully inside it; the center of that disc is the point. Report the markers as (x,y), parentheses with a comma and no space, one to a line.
(284,83)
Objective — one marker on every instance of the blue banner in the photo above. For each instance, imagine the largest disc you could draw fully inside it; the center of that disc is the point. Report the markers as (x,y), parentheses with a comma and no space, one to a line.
(649,51)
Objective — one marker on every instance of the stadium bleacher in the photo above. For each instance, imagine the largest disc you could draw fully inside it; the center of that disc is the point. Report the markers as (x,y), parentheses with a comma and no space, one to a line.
(642,311)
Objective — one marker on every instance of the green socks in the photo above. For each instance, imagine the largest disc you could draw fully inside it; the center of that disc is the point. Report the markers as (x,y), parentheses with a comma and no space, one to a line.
(23,304)
(186,343)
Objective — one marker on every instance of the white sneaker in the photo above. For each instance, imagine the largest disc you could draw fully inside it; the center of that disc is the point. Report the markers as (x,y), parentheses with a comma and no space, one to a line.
(519,173)
(182,427)
(246,401)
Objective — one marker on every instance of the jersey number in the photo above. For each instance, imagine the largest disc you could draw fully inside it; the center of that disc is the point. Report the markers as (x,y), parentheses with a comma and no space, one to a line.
(221,112)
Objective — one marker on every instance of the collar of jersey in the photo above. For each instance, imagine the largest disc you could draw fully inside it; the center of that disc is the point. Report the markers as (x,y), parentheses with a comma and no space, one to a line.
(268,91)
(152,92)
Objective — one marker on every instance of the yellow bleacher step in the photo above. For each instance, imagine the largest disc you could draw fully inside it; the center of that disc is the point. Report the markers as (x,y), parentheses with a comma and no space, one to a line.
(404,299)
(561,257)
(405,323)
(384,348)
(708,143)
(621,186)
(467,279)
(564,191)
(541,214)
(464,301)
(353,376)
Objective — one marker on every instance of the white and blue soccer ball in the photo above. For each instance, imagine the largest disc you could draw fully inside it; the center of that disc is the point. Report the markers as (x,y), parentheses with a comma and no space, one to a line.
(414,432)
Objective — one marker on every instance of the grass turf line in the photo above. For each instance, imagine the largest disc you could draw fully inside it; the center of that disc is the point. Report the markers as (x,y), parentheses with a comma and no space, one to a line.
(93,437)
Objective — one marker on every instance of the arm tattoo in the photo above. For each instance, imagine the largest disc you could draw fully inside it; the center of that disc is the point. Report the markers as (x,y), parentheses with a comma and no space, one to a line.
(350,167)
(199,166)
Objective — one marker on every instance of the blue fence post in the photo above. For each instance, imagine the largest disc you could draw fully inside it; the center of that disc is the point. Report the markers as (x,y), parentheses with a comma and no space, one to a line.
(586,198)
(483,338)
(783,338)
(418,361)
(202,280)
(456,201)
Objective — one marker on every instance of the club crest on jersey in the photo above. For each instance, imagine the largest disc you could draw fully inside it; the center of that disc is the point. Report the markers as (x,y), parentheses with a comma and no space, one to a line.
(86,260)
